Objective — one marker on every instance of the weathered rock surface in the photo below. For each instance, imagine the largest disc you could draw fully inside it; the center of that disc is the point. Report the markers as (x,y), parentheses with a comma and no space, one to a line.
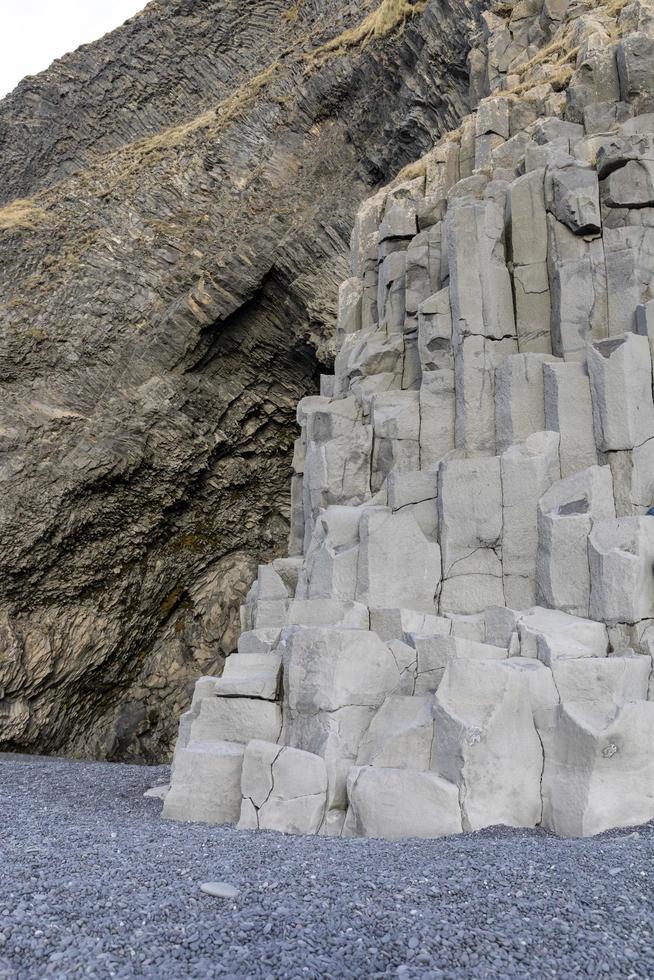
(178,199)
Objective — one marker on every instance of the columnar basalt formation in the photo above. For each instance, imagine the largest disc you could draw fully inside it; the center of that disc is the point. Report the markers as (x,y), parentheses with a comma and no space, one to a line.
(462,634)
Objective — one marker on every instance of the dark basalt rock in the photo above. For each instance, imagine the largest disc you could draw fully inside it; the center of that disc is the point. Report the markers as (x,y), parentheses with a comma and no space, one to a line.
(168,289)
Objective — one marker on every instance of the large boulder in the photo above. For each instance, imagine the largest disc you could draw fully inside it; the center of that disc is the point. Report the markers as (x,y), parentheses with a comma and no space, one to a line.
(400,734)
(567,512)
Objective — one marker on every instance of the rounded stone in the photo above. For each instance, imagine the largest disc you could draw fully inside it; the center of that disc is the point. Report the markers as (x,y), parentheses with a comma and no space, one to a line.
(219,889)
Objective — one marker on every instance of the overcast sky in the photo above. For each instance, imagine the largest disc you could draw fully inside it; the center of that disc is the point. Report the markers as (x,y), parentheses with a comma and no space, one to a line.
(35,32)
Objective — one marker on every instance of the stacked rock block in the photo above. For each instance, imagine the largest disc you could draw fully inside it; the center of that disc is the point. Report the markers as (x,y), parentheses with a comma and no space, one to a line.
(463,632)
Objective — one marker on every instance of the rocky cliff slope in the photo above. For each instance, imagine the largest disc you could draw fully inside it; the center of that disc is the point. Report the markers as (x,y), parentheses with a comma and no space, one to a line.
(462,634)
(177,202)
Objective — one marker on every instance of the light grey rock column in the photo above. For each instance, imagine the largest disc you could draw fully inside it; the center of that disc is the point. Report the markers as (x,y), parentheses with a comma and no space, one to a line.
(519,398)
(475,361)
(527,472)
(332,557)
(338,459)
(635,57)
(435,332)
(350,295)
(442,169)
(396,429)
(566,514)
(485,741)
(528,224)
(599,766)
(620,372)
(645,324)
(572,196)
(391,294)
(578,289)
(334,680)
(470,520)
(365,231)
(492,129)
(398,564)
(424,262)
(596,78)
(621,557)
(629,255)
(633,479)
(206,784)
(437,417)
(480,285)
(569,411)
(282,789)
(394,803)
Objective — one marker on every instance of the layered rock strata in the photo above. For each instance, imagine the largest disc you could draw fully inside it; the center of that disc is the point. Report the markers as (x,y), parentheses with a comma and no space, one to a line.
(462,634)
(179,198)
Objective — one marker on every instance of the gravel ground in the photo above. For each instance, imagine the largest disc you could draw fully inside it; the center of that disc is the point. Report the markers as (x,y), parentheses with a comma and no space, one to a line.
(94,884)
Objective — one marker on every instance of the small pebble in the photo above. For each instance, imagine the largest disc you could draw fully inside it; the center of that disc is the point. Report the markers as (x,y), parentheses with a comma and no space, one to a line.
(157,792)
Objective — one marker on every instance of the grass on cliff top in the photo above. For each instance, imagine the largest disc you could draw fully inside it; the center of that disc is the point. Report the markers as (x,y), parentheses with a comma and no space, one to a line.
(21,214)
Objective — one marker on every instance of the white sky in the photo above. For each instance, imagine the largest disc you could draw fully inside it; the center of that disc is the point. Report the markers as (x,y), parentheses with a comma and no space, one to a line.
(35,32)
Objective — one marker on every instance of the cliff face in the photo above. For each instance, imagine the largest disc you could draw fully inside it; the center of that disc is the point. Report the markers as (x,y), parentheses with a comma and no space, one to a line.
(178,199)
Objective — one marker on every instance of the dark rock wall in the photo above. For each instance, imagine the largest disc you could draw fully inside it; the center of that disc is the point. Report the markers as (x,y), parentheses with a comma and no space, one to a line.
(167,294)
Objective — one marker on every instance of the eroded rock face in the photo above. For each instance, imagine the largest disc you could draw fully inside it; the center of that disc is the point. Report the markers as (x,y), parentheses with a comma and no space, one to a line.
(178,201)
(475,478)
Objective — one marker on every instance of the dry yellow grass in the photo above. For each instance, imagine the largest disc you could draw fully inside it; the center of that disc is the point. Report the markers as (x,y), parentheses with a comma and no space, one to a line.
(122,163)
(559,47)
(222,114)
(293,12)
(412,170)
(613,7)
(557,79)
(383,19)
(389,15)
(21,214)
(172,136)
(127,160)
